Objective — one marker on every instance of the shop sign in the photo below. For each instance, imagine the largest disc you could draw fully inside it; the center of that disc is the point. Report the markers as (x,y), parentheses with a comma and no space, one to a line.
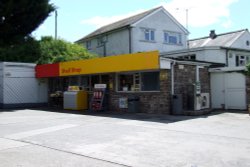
(120,63)
(100,86)
(163,75)
(70,70)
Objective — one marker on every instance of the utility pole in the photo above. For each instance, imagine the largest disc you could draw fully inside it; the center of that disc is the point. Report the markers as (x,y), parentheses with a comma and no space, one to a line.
(55,24)
(187,19)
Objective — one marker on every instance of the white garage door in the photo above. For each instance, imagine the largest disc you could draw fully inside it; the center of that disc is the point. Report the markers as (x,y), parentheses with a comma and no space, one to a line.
(228,90)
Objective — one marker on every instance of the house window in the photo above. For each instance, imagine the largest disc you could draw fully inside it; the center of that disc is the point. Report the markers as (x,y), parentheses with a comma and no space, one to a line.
(101,41)
(145,81)
(88,45)
(149,35)
(172,38)
(240,60)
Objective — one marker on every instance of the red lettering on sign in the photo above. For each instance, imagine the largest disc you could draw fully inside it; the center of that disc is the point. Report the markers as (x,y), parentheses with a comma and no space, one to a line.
(71,70)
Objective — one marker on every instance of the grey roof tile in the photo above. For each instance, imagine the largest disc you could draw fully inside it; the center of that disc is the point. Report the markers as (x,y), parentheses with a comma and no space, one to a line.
(119,24)
(222,40)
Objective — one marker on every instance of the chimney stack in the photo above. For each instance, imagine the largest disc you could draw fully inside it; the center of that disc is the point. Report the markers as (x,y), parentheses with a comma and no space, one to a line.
(212,34)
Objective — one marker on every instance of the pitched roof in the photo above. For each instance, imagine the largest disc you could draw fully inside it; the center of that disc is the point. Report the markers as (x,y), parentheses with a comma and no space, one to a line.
(120,24)
(222,40)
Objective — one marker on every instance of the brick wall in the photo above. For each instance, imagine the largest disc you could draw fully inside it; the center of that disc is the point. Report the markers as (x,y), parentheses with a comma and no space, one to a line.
(160,102)
(185,78)
(150,102)
(205,80)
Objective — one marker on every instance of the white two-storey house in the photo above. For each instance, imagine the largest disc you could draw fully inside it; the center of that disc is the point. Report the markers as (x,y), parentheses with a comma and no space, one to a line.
(155,29)
(231,52)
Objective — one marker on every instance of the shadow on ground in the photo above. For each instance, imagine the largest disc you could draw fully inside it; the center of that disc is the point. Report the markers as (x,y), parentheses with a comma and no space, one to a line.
(160,118)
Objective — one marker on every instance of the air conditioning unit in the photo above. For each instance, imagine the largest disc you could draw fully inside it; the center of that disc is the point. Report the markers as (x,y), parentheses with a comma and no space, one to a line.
(205,100)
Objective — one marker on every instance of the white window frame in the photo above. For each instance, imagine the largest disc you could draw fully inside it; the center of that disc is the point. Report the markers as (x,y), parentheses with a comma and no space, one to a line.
(151,34)
(168,34)
(242,60)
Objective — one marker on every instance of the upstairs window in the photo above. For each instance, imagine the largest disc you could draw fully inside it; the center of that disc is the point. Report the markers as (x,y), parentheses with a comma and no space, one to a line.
(101,41)
(172,38)
(241,60)
(149,35)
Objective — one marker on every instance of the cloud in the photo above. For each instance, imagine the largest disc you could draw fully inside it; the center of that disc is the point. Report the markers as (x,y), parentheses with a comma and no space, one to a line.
(227,24)
(201,13)
(99,21)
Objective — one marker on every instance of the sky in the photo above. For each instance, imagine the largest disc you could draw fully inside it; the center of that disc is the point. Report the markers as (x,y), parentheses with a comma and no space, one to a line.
(77,18)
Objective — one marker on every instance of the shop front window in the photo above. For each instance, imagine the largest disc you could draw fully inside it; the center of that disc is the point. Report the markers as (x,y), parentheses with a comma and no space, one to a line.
(65,83)
(105,80)
(144,81)
(84,82)
(126,82)
(95,79)
(74,81)
(150,81)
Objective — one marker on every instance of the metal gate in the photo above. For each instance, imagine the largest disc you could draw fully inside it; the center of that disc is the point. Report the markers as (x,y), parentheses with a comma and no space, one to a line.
(228,91)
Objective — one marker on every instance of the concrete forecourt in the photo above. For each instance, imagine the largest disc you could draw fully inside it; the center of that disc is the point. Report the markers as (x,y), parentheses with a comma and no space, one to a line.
(43,138)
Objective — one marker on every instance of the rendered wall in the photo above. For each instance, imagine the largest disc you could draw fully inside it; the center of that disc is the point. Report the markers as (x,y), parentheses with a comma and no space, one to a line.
(20,88)
(160,22)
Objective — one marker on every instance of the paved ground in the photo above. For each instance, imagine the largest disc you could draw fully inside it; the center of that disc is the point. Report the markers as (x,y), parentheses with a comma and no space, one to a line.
(31,138)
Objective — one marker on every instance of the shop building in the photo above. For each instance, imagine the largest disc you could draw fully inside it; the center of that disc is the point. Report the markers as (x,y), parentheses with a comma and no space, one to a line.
(146,76)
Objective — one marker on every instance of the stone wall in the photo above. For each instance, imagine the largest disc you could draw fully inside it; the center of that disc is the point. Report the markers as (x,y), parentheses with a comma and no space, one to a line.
(159,102)
(205,80)
(150,102)
(184,80)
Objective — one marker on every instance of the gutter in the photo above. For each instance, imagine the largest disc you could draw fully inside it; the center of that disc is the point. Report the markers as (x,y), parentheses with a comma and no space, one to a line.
(236,49)
(130,38)
(101,34)
(190,50)
(172,76)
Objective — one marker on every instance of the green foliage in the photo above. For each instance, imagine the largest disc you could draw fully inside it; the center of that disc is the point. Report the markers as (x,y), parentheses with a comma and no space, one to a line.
(45,51)
(53,51)
(18,19)
(248,69)
(28,51)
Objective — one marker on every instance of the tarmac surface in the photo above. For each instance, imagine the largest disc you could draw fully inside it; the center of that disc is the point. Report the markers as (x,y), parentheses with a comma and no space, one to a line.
(40,138)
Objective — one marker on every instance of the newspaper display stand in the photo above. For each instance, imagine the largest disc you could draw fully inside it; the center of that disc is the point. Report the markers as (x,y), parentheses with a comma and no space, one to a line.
(98,98)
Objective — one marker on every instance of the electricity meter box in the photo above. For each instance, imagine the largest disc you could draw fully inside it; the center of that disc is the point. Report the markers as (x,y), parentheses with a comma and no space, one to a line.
(75,100)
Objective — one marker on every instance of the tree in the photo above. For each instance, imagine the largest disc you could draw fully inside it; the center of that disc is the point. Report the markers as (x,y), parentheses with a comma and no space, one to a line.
(248,69)
(28,51)
(54,51)
(18,19)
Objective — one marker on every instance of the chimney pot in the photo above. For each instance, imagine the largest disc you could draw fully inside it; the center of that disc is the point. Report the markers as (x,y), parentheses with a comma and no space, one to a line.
(212,34)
